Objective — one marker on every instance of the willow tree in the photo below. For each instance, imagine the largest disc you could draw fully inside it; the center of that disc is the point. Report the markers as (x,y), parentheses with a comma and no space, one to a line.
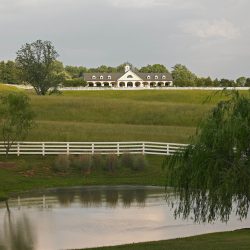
(211,177)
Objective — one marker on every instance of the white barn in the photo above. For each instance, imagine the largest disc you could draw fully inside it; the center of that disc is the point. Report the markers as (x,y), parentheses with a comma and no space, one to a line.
(128,79)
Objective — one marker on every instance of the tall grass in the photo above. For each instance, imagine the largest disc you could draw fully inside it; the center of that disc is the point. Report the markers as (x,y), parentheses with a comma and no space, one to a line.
(119,115)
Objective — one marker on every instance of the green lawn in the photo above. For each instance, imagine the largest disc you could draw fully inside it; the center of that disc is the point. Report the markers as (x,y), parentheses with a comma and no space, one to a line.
(236,240)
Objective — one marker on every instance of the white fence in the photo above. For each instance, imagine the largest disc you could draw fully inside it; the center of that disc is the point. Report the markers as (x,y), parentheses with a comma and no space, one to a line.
(74,148)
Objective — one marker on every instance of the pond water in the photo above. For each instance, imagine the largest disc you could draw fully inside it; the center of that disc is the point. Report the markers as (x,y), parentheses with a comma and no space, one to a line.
(95,216)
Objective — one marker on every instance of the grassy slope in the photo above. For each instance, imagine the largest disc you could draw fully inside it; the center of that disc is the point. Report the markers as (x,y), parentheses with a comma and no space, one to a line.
(236,240)
(119,115)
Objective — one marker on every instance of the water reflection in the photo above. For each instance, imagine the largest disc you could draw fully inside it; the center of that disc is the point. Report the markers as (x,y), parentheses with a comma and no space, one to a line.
(18,233)
(78,218)
(87,197)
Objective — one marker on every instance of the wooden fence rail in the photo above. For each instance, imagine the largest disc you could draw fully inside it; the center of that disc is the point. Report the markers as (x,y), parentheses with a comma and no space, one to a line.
(74,148)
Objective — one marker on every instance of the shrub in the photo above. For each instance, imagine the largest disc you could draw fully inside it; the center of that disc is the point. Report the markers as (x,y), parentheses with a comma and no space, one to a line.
(77,82)
(61,164)
(127,160)
(98,161)
(111,163)
(82,163)
(140,162)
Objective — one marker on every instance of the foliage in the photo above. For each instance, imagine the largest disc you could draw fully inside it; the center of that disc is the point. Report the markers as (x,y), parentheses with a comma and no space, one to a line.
(16,118)
(127,160)
(213,174)
(183,76)
(155,68)
(111,163)
(140,162)
(76,82)
(38,66)
(82,163)
(61,164)
(9,72)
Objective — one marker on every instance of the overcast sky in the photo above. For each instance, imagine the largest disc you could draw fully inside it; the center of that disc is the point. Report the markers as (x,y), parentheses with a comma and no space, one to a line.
(211,37)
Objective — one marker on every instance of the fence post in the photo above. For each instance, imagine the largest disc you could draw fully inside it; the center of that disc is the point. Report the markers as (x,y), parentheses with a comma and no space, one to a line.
(143,148)
(93,148)
(167,149)
(43,149)
(18,149)
(67,148)
(118,148)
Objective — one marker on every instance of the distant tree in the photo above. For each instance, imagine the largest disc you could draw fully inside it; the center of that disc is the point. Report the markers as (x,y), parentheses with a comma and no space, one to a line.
(212,175)
(155,68)
(9,72)
(247,82)
(183,76)
(37,63)
(241,81)
(16,118)
(227,83)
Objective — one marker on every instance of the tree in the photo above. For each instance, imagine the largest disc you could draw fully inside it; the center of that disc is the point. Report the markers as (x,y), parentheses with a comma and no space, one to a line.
(37,63)
(213,174)
(183,76)
(241,81)
(155,68)
(16,118)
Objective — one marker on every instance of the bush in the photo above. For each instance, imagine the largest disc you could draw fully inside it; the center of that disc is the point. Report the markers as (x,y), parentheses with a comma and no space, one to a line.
(77,82)
(61,164)
(127,160)
(111,163)
(82,163)
(140,162)
(98,161)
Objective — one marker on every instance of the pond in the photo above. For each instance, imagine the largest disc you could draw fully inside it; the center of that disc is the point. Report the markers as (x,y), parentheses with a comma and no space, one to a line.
(94,216)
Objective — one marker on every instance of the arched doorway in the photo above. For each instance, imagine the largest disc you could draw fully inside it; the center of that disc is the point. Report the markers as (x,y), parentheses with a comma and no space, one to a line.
(91,84)
(137,84)
(152,84)
(130,84)
(122,84)
(98,84)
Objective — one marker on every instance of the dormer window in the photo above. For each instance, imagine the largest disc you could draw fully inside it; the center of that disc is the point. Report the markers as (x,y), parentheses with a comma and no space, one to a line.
(148,77)
(109,77)
(156,77)
(163,77)
(93,77)
(129,76)
(101,77)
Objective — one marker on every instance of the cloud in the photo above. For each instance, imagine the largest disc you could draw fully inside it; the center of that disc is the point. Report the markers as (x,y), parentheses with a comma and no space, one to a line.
(205,29)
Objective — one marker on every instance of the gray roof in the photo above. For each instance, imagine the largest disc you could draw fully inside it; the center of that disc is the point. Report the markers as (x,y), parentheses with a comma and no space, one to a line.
(115,76)
(144,76)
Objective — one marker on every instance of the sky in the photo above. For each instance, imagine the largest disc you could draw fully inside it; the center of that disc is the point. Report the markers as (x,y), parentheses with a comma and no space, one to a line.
(210,37)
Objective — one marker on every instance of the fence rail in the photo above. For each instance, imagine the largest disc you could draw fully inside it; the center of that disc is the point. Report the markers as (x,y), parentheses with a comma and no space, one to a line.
(74,148)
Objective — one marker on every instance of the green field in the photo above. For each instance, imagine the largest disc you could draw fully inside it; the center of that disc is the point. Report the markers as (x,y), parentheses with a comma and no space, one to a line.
(148,115)
(236,240)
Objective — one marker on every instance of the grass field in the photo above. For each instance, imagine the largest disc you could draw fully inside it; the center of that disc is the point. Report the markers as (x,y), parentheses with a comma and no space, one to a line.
(147,115)
(236,240)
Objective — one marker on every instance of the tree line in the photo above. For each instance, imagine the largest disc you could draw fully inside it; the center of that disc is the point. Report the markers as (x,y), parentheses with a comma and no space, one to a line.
(37,64)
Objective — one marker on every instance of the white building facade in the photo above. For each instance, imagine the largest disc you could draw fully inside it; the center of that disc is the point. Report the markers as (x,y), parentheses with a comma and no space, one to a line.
(129,79)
